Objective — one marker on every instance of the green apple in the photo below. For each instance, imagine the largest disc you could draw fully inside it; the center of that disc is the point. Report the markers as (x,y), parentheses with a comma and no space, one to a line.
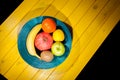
(58,49)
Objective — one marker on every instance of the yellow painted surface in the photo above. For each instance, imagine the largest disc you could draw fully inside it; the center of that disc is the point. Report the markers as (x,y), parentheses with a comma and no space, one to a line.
(91,22)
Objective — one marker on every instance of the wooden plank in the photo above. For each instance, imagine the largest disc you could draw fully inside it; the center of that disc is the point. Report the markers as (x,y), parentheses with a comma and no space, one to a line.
(97,23)
(80,11)
(28,73)
(59,4)
(90,15)
(95,43)
(7,44)
(53,10)
(68,9)
(9,59)
(43,74)
(16,69)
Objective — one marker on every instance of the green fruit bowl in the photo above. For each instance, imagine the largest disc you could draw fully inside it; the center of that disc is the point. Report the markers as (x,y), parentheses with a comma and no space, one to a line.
(33,60)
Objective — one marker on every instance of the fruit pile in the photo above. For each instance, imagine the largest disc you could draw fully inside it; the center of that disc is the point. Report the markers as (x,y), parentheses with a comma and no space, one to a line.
(49,40)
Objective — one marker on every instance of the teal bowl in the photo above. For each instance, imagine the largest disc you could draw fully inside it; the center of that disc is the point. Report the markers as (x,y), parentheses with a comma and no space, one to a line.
(33,60)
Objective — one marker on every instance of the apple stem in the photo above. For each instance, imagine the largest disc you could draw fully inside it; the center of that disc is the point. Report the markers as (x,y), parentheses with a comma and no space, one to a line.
(45,39)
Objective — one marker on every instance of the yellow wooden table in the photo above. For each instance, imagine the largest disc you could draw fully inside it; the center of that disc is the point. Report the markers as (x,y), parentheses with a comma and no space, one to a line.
(91,22)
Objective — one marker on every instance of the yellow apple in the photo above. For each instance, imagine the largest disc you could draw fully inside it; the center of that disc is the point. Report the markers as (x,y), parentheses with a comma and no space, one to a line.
(58,35)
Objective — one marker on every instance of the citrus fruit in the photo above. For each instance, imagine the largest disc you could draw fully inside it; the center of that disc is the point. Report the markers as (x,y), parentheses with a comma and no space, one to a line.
(58,35)
(48,25)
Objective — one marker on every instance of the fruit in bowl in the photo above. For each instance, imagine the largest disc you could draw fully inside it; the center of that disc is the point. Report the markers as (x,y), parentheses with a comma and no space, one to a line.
(46,56)
(48,25)
(43,41)
(58,35)
(58,48)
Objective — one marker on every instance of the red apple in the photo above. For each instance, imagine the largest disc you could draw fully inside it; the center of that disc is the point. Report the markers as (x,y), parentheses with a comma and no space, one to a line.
(43,41)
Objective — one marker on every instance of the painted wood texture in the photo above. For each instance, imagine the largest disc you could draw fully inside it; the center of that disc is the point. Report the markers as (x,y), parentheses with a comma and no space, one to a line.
(91,22)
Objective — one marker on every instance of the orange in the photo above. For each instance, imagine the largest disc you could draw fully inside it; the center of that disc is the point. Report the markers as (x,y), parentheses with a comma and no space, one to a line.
(48,25)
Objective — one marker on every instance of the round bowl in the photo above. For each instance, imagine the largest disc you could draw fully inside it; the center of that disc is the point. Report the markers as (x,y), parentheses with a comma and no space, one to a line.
(33,60)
